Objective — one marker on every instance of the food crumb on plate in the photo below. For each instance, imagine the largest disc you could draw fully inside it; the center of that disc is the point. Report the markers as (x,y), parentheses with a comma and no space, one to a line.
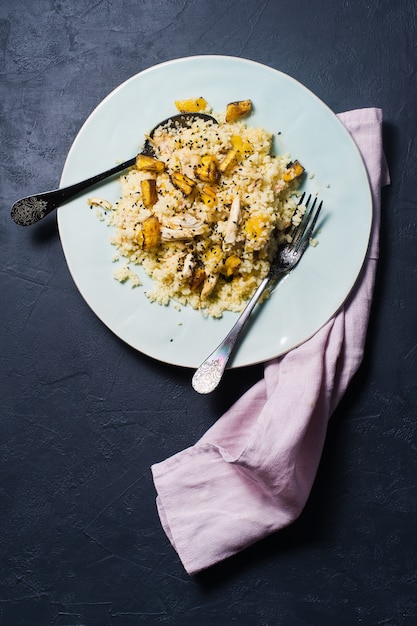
(124,273)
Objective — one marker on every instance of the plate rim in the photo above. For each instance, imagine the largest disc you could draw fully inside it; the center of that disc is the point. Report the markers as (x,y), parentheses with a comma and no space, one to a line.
(310,94)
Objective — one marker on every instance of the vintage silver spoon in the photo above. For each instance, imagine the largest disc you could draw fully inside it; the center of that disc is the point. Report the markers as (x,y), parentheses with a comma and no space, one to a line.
(32,209)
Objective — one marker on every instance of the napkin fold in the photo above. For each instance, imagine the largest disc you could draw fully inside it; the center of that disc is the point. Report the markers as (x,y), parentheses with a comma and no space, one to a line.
(252,472)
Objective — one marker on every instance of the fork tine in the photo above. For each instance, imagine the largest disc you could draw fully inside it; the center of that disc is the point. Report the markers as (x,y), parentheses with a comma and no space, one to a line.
(306,226)
(301,228)
(314,220)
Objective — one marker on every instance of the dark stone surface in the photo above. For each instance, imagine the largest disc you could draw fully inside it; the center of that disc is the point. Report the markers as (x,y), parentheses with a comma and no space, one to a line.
(83,416)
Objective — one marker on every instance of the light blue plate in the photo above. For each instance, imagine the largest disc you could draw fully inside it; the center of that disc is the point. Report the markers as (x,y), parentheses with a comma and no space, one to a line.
(309,131)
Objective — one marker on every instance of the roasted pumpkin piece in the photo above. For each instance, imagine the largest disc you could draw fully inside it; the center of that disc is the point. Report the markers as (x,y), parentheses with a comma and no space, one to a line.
(294,170)
(254,227)
(191,105)
(182,182)
(237,110)
(229,162)
(231,264)
(241,145)
(197,278)
(207,170)
(149,192)
(149,235)
(208,194)
(149,164)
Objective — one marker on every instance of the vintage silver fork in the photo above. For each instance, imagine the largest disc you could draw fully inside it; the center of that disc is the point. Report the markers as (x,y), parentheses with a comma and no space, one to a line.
(210,372)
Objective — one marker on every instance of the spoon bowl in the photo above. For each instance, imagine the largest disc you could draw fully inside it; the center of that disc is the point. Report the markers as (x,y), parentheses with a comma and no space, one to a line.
(32,209)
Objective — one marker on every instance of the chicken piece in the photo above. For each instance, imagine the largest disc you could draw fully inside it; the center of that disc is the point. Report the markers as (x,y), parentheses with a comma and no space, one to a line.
(185,220)
(237,110)
(149,192)
(163,143)
(188,161)
(181,228)
(209,285)
(191,105)
(182,182)
(294,170)
(232,225)
(255,184)
(149,236)
(103,204)
(207,169)
(229,162)
(189,265)
(149,164)
(213,265)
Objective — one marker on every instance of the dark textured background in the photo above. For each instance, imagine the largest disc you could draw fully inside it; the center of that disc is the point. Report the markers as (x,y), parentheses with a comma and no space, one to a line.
(83,416)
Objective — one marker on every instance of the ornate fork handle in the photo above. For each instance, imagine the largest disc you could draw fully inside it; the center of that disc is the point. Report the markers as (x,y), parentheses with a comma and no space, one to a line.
(208,375)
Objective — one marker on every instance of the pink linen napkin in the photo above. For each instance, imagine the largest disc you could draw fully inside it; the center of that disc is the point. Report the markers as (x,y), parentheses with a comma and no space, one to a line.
(252,472)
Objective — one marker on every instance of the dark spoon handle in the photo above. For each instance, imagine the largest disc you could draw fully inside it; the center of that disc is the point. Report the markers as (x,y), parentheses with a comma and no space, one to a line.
(31,209)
